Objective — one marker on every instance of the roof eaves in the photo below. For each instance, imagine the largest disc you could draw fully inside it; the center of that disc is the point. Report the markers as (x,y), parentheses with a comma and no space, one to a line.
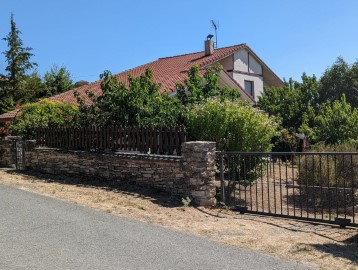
(10,115)
(258,58)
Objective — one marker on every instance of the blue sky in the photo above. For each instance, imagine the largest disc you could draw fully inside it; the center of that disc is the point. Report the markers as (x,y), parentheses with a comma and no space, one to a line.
(90,36)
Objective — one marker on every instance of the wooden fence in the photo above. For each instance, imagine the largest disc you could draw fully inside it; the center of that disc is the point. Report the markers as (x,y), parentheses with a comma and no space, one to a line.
(155,141)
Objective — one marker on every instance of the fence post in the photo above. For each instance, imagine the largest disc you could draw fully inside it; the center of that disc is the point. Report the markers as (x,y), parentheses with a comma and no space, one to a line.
(222,182)
(199,171)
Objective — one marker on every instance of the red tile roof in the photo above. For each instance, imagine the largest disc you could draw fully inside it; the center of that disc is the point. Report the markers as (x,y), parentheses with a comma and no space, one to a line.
(167,71)
(9,115)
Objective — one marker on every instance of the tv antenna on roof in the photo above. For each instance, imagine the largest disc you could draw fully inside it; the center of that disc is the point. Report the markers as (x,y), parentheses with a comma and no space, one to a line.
(215,25)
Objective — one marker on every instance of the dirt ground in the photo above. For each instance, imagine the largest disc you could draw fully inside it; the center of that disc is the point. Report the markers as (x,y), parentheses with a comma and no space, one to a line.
(323,246)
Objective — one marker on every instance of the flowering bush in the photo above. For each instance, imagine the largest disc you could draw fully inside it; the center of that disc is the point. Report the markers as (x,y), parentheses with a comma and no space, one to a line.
(43,114)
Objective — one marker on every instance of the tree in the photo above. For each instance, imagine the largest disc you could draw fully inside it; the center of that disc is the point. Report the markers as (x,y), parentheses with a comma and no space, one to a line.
(339,79)
(292,102)
(18,60)
(56,81)
(142,103)
(197,88)
(34,87)
(282,103)
(336,123)
(80,83)
(139,104)
(6,102)
(294,106)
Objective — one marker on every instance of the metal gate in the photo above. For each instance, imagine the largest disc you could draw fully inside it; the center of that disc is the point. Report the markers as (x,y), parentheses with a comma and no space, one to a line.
(20,155)
(318,187)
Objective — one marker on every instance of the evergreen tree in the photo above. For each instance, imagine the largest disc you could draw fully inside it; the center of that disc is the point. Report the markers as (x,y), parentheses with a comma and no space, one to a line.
(18,60)
(34,87)
(57,80)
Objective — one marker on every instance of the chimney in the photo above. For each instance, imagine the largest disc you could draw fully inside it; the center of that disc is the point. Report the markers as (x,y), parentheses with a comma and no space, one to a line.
(209,45)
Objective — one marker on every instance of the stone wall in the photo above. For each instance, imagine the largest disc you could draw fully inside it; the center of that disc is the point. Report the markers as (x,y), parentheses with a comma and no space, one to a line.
(191,174)
(7,153)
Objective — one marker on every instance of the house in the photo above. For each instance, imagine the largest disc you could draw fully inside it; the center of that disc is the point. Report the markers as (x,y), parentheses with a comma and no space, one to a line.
(241,69)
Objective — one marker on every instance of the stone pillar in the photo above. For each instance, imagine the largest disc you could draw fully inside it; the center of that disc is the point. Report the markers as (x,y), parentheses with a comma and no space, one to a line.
(199,171)
(8,152)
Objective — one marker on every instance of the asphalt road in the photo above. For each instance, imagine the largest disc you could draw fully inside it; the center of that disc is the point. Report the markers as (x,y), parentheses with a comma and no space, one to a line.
(38,232)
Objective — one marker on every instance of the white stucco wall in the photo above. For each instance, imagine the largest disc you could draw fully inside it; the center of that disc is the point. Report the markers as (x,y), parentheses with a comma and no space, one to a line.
(258,83)
(244,65)
(241,61)
(254,66)
(245,62)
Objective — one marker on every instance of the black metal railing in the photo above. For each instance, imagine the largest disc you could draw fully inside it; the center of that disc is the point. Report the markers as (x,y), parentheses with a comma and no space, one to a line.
(311,186)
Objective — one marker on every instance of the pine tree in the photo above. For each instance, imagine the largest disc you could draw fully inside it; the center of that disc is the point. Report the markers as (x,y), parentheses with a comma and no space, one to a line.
(57,80)
(18,63)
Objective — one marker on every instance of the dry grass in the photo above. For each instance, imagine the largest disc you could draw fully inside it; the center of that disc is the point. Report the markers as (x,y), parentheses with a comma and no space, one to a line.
(321,245)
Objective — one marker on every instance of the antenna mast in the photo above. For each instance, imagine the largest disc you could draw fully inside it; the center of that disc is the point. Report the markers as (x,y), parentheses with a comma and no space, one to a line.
(215,26)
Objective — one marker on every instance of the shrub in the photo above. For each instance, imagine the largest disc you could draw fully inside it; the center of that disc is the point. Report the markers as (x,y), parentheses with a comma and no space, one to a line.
(329,171)
(234,127)
(42,114)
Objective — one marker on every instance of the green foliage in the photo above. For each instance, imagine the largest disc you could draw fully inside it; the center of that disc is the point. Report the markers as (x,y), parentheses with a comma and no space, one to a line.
(338,80)
(4,106)
(7,103)
(198,89)
(233,126)
(56,81)
(43,114)
(34,86)
(18,87)
(18,60)
(139,104)
(286,142)
(336,122)
(292,102)
(186,202)
(80,83)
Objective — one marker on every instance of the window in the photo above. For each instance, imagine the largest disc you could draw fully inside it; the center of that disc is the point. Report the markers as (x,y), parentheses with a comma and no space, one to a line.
(249,87)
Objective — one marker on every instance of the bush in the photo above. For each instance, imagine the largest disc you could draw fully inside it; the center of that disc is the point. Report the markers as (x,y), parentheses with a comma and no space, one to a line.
(329,171)
(233,126)
(43,114)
